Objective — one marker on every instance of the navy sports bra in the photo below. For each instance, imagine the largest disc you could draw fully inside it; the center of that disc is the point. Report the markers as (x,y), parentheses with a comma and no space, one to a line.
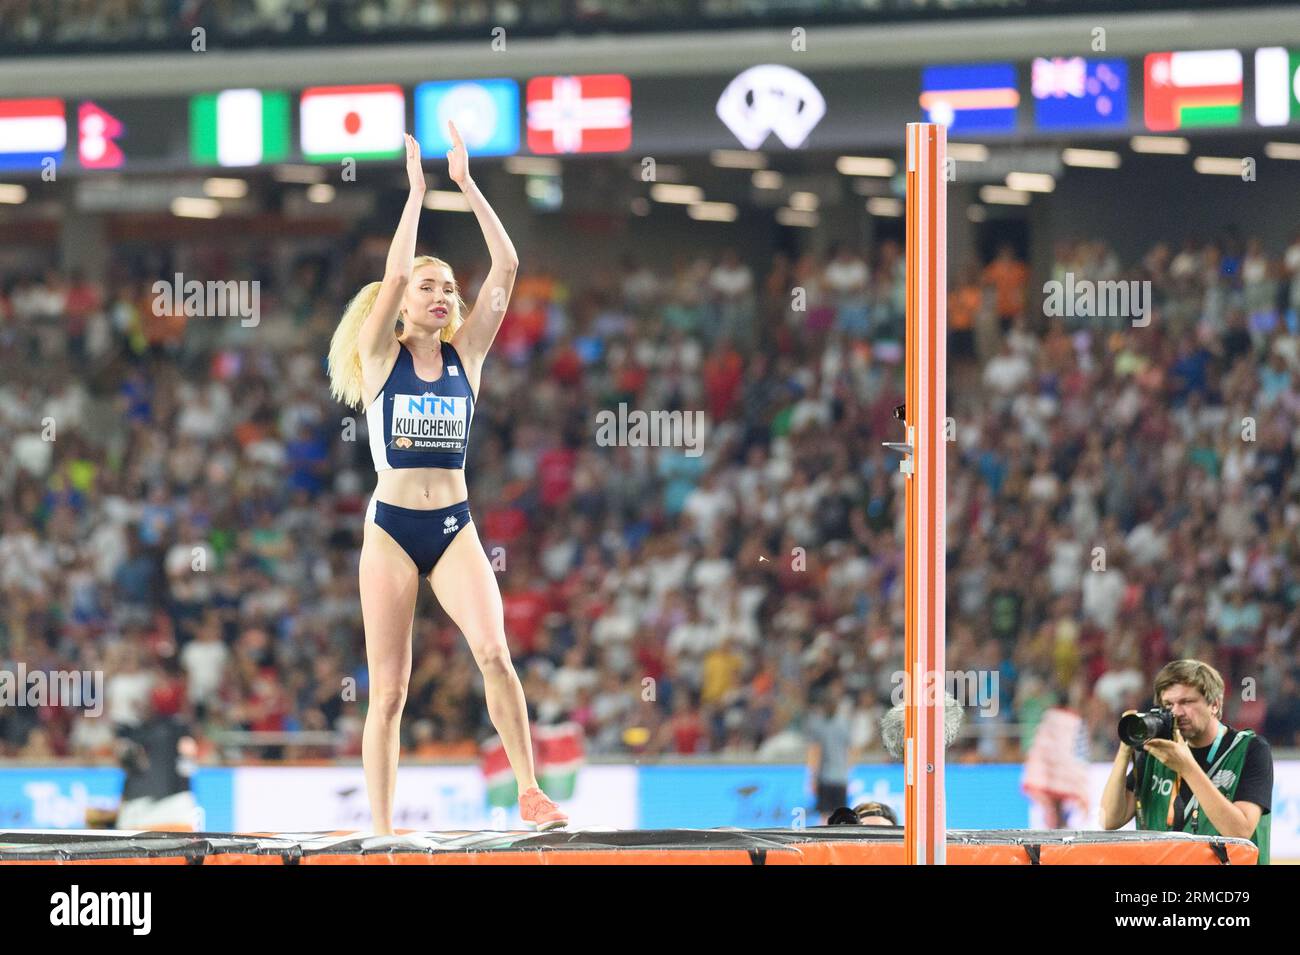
(421,424)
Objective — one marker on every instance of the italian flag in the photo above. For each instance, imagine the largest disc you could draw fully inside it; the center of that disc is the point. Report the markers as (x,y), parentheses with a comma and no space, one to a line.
(353,122)
(1277,86)
(1198,88)
(557,756)
(239,128)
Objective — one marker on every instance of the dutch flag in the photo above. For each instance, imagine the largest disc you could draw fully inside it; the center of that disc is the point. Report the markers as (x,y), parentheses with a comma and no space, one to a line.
(30,131)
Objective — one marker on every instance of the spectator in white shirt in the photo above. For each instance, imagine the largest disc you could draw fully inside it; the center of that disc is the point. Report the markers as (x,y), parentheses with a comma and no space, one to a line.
(731,280)
(204,662)
(640,285)
(1007,372)
(127,687)
(1103,590)
(846,274)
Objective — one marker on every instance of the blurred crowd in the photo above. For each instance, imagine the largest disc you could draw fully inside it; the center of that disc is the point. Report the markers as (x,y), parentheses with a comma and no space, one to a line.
(42,24)
(183,503)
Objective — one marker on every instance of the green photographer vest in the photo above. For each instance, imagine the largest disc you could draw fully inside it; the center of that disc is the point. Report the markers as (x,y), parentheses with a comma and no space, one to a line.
(1156,787)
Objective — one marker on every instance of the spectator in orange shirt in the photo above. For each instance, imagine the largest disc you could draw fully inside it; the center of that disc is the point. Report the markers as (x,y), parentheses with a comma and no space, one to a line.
(963,307)
(1009,278)
(164,328)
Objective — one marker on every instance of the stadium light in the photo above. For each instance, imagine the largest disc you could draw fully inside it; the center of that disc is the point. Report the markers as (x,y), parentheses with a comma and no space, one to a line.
(531,166)
(767,179)
(1091,158)
(218,188)
(737,159)
(865,166)
(804,201)
(195,207)
(713,211)
(1004,196)
(1217,165)
(797,218)
(13,195)
(1162,145)
(1030,181)
(1282,150)
(669,192)
(885,206)
(968,152)
(300,175)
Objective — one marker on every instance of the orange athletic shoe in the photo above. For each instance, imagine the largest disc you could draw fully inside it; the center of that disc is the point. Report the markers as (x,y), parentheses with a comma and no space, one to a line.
(539,812)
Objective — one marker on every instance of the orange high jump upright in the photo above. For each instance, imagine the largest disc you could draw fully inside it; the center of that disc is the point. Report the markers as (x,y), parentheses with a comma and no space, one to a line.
(925,413)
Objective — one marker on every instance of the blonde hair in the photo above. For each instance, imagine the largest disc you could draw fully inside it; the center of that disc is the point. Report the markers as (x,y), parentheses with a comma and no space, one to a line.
(1193,673)
(345,346)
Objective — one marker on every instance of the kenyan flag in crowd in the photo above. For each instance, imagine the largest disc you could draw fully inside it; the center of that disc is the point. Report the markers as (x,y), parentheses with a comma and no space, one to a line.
(557,755)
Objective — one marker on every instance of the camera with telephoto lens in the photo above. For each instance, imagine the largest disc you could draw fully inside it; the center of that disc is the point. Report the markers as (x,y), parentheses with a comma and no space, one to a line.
(1137,728)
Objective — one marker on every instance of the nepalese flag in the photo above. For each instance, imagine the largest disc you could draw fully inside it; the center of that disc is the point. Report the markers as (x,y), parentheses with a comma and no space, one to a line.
(97,130)
(558,753)
(353,122)
(1197,88)
(31,131)
(579,114)
(968,98)
(1277,86)
(1073,92)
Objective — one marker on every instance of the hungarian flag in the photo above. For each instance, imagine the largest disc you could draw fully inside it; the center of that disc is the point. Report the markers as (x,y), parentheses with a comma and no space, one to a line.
(239,127)
(1200,88)
(353,122)
(579,114)
(31,130)
(1277,86)
(557,756)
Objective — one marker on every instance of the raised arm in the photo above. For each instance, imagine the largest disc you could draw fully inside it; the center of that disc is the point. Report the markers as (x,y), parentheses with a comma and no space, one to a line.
(475,337)
(376,339)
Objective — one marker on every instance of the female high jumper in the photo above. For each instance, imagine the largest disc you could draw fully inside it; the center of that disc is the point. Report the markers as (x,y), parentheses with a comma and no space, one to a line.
(407,353)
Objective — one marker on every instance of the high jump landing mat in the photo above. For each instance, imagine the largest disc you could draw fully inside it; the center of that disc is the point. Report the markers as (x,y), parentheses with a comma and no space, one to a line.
(821,845)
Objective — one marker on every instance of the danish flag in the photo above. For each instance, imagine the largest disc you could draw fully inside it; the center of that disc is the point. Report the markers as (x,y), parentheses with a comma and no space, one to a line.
(580,114)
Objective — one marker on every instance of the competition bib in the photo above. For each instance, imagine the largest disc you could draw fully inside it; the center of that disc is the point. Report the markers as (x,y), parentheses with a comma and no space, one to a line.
(430,423)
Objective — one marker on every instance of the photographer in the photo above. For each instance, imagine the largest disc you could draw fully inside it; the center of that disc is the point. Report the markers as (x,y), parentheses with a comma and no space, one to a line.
(159,759)
(1207,779)
(830,751)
